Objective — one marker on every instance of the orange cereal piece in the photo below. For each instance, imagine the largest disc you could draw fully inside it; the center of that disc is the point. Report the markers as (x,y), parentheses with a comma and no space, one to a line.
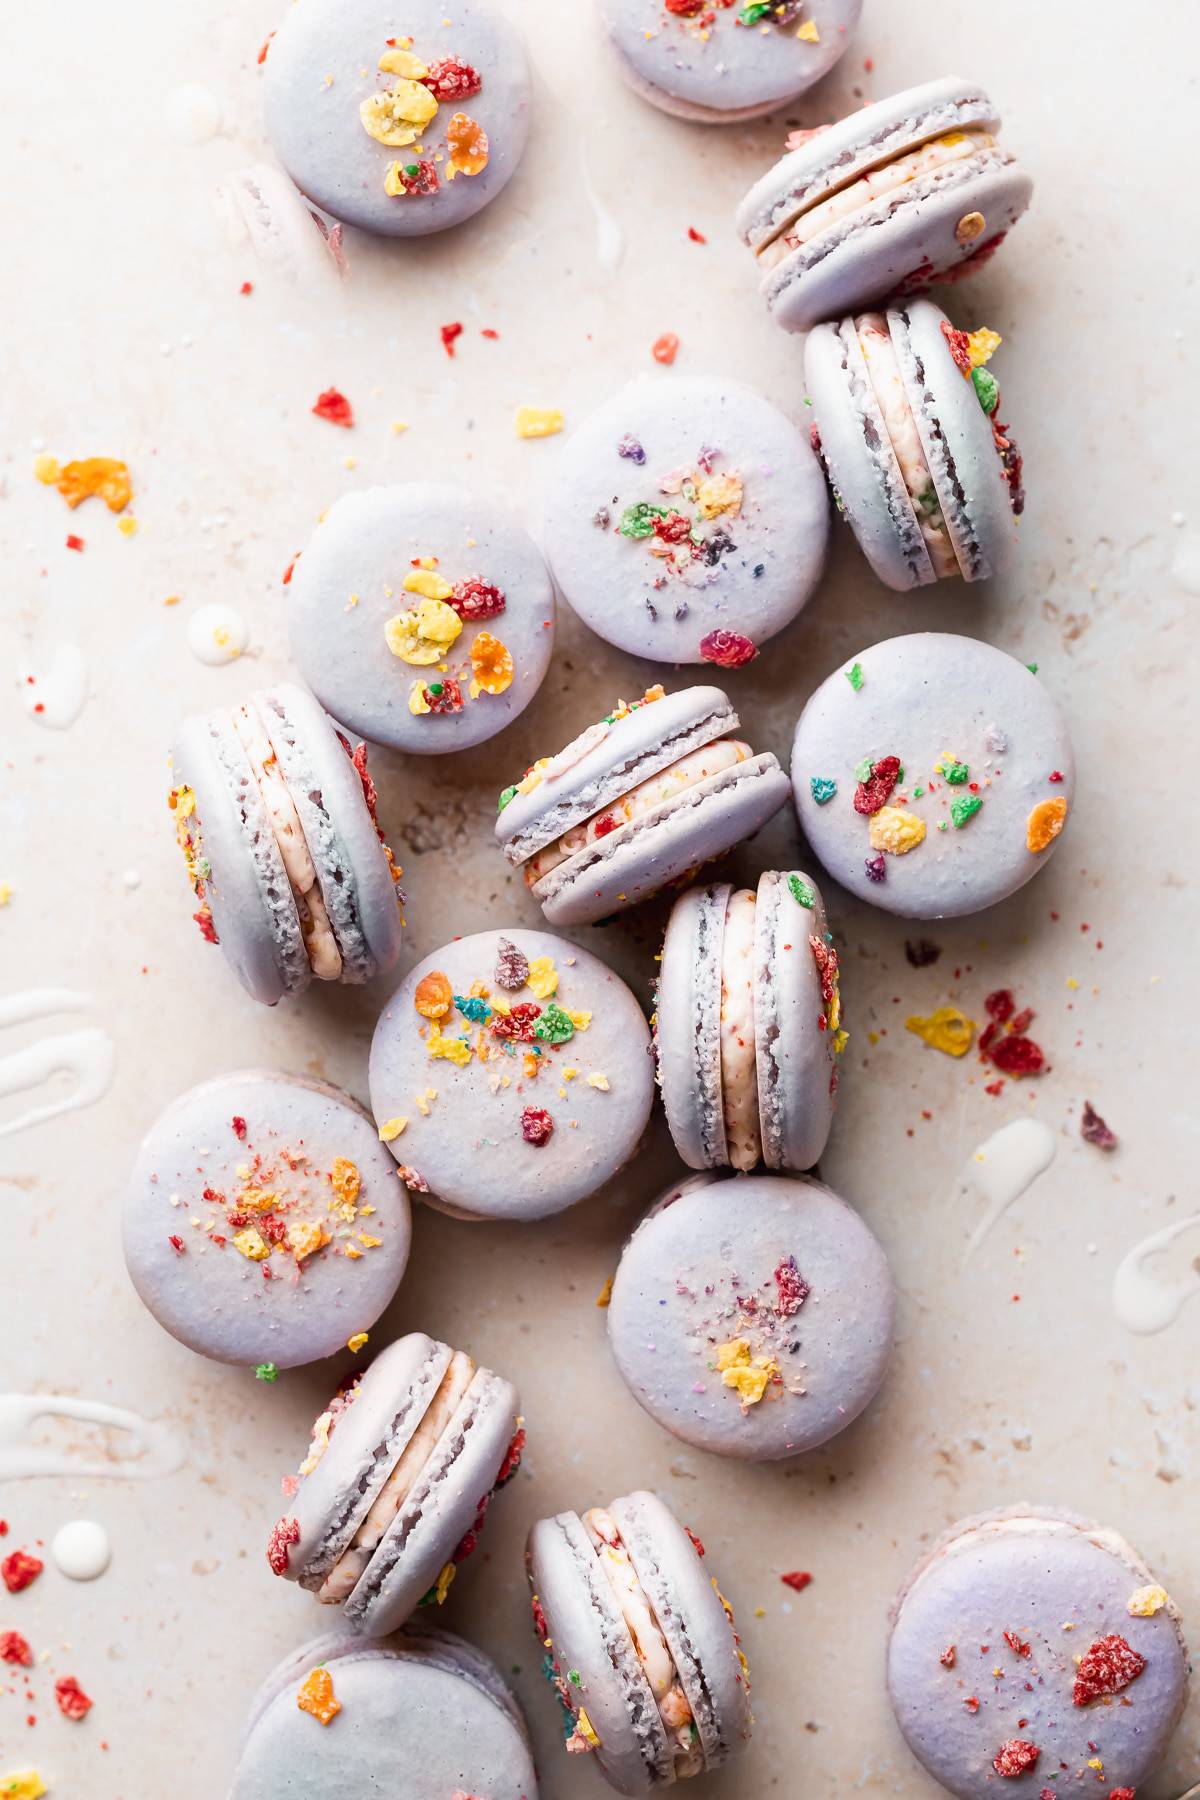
(469,147)
(491,665)
(101,475)
(434,996)
(347,1182)
(1044,823)
(316,1696)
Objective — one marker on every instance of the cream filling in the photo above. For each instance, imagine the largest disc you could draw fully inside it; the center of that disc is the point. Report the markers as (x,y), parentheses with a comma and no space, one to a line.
(868,188)
(319,940)
(351,1566)
(900,424)
(691,769)
(739,1075)
(653,1651)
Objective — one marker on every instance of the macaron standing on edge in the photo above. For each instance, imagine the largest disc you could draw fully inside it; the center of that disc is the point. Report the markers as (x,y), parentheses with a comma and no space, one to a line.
(393,1493)
(722,64)
(933,775)
(907,191)
(640,1644)
(511,1075)
(263,1222)
(275,818)
(637,800)
(748,1024)
(422,616)
(770,1308)
(1032,1643)
(908,417)
(400,136)
(687,521)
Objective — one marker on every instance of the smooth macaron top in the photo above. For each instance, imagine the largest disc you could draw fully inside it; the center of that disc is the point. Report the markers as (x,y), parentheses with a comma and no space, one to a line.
(400,122)
(418,1716)
(752,1317)
(932,775)
(683,508)
(725,60)
(511,1074)
(1032,1645)
(422,616)
(263,1222)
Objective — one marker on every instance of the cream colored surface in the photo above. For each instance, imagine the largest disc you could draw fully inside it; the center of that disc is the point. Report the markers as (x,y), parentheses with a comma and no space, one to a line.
(131,338)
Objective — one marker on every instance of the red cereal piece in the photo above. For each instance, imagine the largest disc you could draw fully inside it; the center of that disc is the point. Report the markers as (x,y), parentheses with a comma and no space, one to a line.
(793,1289)
(512,1457)
(1106,1667)
(1093,1130)
(451,79)
(205,926)
(1000,1005)
(993,1088)
(238,1126)
(488,332)
(1055,775)
(537,1127)
(262,55)
(685,9)
(696,237)
(604,824)
(665,348)
(1115,1794)
(247,287)
(675,528)
(448,698)
(1018,1756)
(1016,1646)
(697,1546)
(283,1536)
(177,1244)
(3,1527)
(73,1703)
(1023,1021)
(448,335)
(1018,1056)
(949,1657)
(796,1579)
(971,1703)
(20,1570)
(728,649)
(334,408)
(477,599)
(517,1024)
(960,346)
(74,542)
(420,178)
(877,790)
(539,1619)
(15,1649)
(286,577)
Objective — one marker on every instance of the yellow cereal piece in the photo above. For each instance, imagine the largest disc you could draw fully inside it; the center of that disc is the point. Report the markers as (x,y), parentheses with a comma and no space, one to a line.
(448,1049)
(352,1251)
(598,1081)
(605,1294)
(257,1199)
(23,1784)
(947,1030)
(45,468)
(580,1020)
(423,635)
(402,62)
(127,526)
(441,1586)
(429,583)
(896,831)
(542,979)
(368,1242)
(346,1180)
(747,1376)
(391,1128)
(251,1244)
(6,892)
(395,186)
(537,422)
(584,1725)
(305,1238)
(808,31)
(719,494)
(357,1342)
(1144,1602)
(396,116)
(468,145)
(1044,823)
(492,666)
(418,705)
(982,345)
(316,1696)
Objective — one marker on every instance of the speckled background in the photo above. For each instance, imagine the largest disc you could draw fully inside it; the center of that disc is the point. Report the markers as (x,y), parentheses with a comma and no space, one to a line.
(127,335)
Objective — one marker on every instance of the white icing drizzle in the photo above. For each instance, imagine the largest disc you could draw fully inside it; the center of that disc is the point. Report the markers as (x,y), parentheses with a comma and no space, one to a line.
(1144,1304)
(55,696)
(149,1448)
(1003,1167)
(89,1055)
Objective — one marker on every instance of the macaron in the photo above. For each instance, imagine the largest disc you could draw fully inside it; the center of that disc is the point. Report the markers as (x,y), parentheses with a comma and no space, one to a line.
(639,1643)
(396,1485)
(1036,1647)
(752,1320)
(275,817)
(511,1075)
(637,800)
(420,1716)
(933,775)
(718,62)
(748,1024)
(907,414)
(399,135)
(263,1222)
(687,513)
(899,194)
(422,616)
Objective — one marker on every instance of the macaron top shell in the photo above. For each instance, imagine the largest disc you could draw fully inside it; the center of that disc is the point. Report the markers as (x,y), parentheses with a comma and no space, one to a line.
(244,1226)
(686,506)
(445,141)
(769,1305)
(932,775)
(422,616)
(726,61)
(1028,1632)
(520,1066)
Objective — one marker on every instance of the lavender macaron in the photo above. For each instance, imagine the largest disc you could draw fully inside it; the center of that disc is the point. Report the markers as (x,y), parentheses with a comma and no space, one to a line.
(639,1643)
(274,815)
(263,1222)
(420,1715)
(908,418)
(1034,1647)
(647,794)
(718,62)
(899,194)
(398,134)
(393,1493)
(748,1024)
(687,517)
(752,1318)
(511,1075)
(933,775)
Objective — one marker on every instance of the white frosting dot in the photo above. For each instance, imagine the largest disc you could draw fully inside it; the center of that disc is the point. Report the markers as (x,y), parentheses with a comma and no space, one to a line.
(81,1549)
(217,634)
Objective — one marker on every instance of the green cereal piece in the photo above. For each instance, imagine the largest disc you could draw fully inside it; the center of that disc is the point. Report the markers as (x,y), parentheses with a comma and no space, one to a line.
(964,808)
(956,773)
(862,770)
(266,1372)
(987,388)
(638,521)
(854,675)
(554,1026)
(510,793)
(824,787)
(801,893)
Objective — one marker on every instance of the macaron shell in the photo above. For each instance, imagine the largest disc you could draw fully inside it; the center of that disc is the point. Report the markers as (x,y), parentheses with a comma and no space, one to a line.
(321,66)
(688,1025)
(287,1131)
(925,698)
(468,1144)
(349,583)
(794,1049)
(1057,1588)
(678,1286)
(697,824)
(634,597)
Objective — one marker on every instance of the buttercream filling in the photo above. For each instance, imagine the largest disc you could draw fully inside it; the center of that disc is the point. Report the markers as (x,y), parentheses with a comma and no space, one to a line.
(653,1651)
(899,422)
(319,940)
(351,1566)
(689,771)
(872,186)
(739,1075)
